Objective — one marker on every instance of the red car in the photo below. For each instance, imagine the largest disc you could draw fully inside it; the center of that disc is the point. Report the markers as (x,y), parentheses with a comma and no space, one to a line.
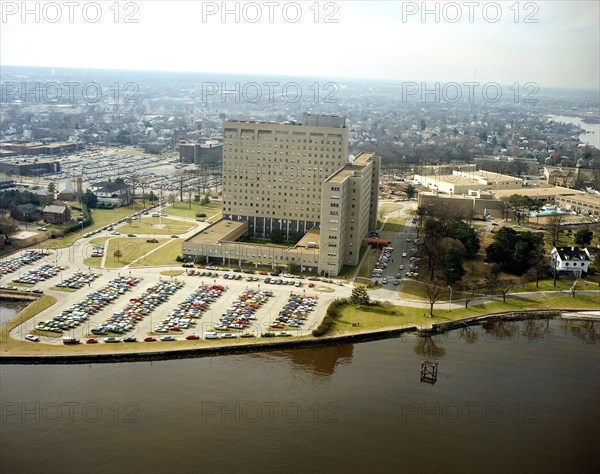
(262,273)
(192,337)
(92,341)
(149,339)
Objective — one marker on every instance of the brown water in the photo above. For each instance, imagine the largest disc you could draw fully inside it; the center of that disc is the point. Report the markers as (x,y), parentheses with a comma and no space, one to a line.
(510,397)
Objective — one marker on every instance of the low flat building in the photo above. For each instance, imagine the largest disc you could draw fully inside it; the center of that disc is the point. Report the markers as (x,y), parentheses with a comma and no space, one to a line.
(218,243)
(461,182)
(29,166)
(580,202)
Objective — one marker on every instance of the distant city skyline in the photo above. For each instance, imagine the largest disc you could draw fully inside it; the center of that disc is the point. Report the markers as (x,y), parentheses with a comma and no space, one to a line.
(552,44)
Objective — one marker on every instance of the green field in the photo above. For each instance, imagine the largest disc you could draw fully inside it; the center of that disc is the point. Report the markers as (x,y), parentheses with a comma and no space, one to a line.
(156,225)
(165,255)
(355,319)
(101,218)
(182,209)
(131,249)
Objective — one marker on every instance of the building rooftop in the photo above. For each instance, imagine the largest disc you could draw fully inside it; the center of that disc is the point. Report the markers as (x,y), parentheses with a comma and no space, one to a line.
(55,209)
(572,253)
(216,232)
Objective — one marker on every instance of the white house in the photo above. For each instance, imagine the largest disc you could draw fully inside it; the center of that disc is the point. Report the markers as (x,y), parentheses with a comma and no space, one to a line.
(570,260)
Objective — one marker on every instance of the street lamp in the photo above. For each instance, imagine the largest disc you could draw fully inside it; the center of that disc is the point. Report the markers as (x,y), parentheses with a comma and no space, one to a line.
(450,303)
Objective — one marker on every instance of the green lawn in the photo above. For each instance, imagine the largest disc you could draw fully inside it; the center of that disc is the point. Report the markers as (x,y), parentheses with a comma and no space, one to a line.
(164,256)
(171,273)
(27,313)
(101,218)
(371,318)
(413,290)
(156,225)
(366,268)
(393,224)
(182,209)
(131,249)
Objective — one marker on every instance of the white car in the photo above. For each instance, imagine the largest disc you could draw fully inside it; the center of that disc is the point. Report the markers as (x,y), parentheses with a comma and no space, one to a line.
(404,254)
(32,338)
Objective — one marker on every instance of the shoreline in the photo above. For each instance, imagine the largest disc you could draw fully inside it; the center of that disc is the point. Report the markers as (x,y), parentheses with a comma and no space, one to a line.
(311,341)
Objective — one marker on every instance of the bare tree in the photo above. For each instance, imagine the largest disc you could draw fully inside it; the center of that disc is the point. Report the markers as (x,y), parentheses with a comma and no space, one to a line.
(504,286)
(554,228)
(470,293)
(433,292)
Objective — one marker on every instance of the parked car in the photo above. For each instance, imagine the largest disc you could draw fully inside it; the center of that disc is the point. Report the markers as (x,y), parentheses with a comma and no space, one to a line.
(167,338)
(192,337)
(112,339)
(92,341)
(32,338)
(149,339)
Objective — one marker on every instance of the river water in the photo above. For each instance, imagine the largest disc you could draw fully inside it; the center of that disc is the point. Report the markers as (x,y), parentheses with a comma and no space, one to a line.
(592,138)
(509,397)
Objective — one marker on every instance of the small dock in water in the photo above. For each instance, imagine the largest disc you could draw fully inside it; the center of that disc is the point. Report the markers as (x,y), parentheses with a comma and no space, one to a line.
(429,371)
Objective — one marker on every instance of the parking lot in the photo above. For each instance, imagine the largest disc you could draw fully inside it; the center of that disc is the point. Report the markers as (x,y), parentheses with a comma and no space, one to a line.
(265,315)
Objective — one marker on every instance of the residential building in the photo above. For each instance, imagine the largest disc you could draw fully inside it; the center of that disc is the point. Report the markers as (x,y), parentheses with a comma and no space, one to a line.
(53,214)
(570,260)
(111,194)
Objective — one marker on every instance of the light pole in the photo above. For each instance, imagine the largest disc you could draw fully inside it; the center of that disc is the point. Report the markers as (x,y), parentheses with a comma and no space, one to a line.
(450,303)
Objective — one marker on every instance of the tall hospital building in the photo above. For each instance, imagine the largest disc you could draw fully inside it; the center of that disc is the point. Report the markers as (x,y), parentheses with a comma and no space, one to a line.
(296,178)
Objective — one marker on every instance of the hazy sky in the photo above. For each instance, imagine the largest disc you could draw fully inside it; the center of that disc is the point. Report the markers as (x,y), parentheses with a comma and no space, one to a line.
(551,43)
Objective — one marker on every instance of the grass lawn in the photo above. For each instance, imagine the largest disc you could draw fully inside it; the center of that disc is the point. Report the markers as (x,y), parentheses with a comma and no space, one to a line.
(101,217)
(25,314)
(393,224)
(348,270)
(95,262)
(156,225)
(368,265)
(387,207)
(182,209)
(413,290)
(172,273)
(166,255)
(372,318)
(131,250)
